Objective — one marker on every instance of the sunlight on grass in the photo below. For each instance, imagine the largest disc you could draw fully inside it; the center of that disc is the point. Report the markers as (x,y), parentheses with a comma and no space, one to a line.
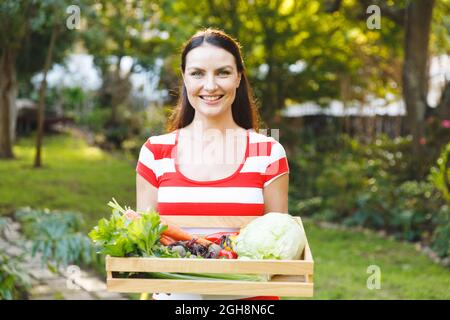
(74,176)
(93,154)
(341,259)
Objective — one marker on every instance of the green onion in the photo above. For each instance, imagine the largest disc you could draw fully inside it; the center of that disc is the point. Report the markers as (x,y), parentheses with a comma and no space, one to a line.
(209,276)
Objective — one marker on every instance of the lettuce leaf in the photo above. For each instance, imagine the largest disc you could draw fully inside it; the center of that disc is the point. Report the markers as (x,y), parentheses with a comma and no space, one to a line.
(120,237)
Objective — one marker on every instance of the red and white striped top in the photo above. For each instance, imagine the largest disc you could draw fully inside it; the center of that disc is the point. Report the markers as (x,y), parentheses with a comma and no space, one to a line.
(240,194)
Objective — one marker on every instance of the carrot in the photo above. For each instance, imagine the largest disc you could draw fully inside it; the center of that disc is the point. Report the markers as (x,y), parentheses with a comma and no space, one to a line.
(177,233)
(165,240)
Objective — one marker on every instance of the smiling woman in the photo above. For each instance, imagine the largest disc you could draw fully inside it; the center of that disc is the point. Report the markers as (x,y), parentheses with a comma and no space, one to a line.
(208,85)
(211,64)
(212,162)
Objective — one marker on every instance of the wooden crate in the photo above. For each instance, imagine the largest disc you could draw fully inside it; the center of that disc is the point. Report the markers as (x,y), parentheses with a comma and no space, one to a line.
(290,277)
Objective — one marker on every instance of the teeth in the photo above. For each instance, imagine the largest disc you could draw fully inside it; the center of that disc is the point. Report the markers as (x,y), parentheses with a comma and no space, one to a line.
(211,98)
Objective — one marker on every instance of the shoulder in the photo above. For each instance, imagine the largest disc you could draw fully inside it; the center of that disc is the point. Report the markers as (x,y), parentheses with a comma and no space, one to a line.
(163,139)
(160,145)
(262,145)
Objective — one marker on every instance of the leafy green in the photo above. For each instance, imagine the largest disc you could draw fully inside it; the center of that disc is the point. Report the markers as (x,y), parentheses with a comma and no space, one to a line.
(121,237)
(110,236)
(145,232)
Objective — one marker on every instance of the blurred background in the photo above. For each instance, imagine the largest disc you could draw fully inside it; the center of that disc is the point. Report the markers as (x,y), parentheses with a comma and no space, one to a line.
(359,91)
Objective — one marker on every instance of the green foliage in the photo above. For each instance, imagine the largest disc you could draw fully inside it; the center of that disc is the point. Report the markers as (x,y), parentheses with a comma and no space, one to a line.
(14,279)
(96,119)
(56,235)
(280,36)
(440,174)
(440,178)
(371,186)
(441,235)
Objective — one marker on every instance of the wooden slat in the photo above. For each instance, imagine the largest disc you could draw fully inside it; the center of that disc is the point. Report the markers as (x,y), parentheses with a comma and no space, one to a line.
(294,289)
(288,278)
(294,267)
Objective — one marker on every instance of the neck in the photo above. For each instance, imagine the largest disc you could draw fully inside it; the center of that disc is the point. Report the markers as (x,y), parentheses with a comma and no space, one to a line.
(202,125)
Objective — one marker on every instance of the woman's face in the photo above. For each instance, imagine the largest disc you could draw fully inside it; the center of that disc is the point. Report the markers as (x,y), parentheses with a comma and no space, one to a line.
(211,79)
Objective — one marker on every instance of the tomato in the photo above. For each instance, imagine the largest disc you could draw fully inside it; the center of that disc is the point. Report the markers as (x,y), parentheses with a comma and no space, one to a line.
(227,254)
(217,237)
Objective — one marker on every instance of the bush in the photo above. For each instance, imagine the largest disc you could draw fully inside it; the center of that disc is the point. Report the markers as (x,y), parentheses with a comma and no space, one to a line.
(57,236)
(14,279)
(96,119)
(440,178)
(372,186)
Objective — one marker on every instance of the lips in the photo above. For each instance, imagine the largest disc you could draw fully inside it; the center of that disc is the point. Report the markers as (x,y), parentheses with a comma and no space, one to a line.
(211,98)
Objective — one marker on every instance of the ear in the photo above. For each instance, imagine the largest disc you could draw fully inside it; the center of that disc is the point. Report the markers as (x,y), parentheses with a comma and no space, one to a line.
(239,79)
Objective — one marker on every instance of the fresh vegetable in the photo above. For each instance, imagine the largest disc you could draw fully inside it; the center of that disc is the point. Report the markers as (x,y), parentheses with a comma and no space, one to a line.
(177,233)
(110,237)
(213,251)
(165,240)
(145,232)
(127,234)
(180,249)
(227,254)
(272,236)
(217,237)
(227,242)
(209,276)
(192,247)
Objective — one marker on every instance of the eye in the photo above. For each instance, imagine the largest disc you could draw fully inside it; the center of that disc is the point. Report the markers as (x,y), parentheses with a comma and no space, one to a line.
(224,73)
(196,73)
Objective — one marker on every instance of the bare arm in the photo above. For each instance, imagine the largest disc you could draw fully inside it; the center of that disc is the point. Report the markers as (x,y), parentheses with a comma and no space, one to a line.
(276,195)
(146,194)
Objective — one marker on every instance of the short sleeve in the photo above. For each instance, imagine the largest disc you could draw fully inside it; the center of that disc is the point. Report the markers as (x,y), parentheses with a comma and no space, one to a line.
(146,165)
(277,164)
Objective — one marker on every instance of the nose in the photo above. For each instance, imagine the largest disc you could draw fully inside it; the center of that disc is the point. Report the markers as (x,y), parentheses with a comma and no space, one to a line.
(210,84)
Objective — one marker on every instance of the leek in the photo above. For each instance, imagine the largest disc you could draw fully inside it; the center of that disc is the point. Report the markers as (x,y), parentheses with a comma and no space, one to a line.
(209,276)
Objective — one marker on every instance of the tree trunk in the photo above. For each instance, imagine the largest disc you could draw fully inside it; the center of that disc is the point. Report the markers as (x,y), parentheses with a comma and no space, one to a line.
(41,106)
(13,111)
(8,87)
(443,108)
(415,68)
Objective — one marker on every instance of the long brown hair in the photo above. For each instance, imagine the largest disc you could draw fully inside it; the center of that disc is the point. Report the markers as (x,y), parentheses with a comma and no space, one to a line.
(243,109)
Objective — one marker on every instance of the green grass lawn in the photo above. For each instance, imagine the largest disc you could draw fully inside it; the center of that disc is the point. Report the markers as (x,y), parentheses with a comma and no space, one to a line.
(341,259)
(74,176)
(83,178)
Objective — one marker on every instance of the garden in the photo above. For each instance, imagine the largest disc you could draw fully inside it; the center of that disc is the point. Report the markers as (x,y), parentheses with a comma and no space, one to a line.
(359,101)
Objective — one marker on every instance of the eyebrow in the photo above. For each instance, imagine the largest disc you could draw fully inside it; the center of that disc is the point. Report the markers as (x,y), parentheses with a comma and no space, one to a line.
(224,67)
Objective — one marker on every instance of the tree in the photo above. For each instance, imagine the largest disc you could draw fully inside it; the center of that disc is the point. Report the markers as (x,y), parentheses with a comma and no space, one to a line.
(415,67)
(117,30)
(41,104)
(15,26)
(25,32)
(294,50)
(55,22)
